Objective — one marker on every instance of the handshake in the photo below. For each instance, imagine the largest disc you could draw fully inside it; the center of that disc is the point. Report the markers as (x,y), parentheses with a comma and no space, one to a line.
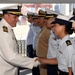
(36,62)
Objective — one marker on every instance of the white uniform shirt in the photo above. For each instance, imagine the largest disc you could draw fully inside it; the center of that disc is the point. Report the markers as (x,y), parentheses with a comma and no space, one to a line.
(29,40)
(36,30)
(73,64)
(9,57)
(65,53)
(73,60)
(52,46)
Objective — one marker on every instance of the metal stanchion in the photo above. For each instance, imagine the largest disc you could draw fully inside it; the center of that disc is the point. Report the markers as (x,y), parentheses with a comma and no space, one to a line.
(22,47)
(19,47)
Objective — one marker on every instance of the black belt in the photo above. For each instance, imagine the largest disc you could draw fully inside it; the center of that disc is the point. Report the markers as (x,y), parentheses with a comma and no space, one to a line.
(62,73)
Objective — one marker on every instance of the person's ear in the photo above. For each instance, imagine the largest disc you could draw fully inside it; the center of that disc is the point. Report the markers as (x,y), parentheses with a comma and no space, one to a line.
(63,27)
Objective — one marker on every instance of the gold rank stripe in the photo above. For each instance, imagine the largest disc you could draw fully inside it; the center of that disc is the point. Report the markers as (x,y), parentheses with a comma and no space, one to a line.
(50,16)
(5,29)
(41,15)
(35,17)
(1,16)
(14,12)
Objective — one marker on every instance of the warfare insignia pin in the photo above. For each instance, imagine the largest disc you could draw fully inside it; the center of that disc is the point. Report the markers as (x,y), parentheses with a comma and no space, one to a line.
(68,42)
(5,29)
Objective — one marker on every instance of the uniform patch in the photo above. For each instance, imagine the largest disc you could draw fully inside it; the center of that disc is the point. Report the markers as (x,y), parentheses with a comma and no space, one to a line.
(68,42)
(5,29)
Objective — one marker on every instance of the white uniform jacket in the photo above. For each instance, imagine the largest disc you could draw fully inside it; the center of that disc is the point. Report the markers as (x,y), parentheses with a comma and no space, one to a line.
(65,53)
(9,57)
(73,60)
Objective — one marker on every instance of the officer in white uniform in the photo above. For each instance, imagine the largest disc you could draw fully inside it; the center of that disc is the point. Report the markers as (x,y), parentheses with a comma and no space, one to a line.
(66,49)
(10,60)
(52,45)
(29,40)
(72,19)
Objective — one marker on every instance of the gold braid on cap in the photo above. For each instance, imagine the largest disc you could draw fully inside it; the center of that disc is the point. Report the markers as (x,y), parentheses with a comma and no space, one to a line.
(50,16)
(42,12)
(16,13)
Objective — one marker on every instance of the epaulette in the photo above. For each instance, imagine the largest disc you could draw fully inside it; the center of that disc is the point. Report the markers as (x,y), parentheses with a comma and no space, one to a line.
(68,42)
(5,29)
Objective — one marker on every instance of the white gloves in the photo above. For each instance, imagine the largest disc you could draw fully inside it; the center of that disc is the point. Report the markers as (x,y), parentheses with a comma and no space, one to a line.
(36,63)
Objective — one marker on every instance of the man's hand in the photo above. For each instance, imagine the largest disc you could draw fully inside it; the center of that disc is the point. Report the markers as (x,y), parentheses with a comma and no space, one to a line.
(36,62)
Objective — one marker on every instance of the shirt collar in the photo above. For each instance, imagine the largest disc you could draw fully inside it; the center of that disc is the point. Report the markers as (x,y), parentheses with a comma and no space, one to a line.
(64,39)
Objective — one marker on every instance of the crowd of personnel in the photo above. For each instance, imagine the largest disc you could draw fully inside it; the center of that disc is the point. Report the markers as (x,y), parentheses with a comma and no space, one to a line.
(49,40)
(50,49)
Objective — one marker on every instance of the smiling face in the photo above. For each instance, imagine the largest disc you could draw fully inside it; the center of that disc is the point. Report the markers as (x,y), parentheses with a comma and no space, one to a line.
(59,30)
(11,19)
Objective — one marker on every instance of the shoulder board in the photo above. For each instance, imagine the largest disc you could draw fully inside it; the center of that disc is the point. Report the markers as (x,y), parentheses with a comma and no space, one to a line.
(5,29)
(68,42)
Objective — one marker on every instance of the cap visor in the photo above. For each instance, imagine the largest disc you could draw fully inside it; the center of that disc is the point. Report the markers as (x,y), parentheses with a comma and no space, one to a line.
(72,18)
(54,22)
(41,15)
